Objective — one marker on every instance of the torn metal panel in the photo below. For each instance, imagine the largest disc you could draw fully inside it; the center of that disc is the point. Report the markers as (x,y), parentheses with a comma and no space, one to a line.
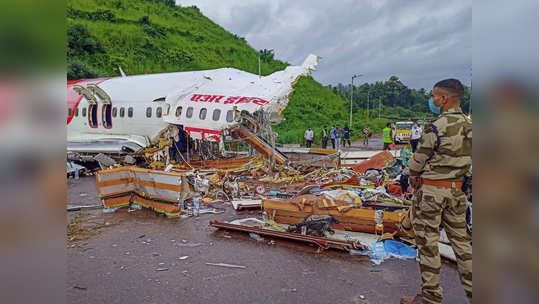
(377,161)
(157,190)
(259,144)
(247,204)
(322,242)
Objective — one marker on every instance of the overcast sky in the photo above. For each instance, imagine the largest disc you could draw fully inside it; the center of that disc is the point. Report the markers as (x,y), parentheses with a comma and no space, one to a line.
(421,42)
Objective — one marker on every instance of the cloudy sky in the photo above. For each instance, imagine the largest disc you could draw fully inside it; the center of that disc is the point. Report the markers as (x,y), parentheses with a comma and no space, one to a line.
(421,42)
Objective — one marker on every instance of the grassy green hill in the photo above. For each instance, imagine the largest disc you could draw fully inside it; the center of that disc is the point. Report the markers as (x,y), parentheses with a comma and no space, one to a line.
(149,37)
(154,36)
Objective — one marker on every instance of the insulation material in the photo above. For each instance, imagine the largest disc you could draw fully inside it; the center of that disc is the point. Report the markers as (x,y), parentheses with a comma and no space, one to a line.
(350,197)
(156,190)
(351,182)
(223,164)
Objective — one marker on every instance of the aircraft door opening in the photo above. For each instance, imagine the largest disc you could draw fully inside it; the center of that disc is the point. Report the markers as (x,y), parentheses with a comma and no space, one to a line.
(92,115)
(106,116)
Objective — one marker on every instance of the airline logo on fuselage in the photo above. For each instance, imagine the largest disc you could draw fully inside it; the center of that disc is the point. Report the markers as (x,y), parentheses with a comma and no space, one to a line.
(228,99)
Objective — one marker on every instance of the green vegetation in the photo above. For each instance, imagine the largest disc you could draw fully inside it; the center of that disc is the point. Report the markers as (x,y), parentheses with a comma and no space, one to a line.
(398,99)
(155,36)
(151,36)
(312,104)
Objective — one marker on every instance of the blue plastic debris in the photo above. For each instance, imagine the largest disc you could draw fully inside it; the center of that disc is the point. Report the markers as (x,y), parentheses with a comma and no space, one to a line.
(380,251)
(274,192)
(399,250)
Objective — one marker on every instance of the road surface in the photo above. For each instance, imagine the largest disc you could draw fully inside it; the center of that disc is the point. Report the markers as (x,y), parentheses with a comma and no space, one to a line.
(138,257)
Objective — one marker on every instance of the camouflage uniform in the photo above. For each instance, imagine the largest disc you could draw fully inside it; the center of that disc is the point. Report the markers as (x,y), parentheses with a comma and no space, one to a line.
(444,153)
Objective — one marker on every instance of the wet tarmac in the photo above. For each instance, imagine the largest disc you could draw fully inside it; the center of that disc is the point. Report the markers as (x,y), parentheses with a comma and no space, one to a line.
(139,257)
(374,143)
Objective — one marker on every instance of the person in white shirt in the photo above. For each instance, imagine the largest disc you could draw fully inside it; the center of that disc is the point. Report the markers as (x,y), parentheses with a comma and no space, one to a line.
(309,135)
(415,136)
(338,136)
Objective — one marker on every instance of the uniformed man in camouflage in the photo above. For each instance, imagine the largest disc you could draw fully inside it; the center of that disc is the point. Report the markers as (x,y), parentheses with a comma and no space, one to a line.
(437,169)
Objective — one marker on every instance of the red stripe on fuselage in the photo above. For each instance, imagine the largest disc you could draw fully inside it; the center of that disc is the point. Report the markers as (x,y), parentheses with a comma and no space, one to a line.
(73,98)
(214,133)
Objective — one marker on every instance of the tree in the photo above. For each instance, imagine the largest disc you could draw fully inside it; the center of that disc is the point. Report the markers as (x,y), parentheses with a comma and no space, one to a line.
(80,42)
(394,87)
(78,70)
(266,55)
(465,101)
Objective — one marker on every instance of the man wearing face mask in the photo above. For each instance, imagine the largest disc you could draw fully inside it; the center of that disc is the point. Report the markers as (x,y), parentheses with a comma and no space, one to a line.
(437,169)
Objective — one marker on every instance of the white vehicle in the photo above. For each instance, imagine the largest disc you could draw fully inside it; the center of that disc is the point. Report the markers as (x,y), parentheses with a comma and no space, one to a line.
(123,115)
(403,130)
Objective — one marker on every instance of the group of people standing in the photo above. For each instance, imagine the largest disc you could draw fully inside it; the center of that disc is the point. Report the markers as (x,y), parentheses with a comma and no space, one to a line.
(337,136)
(340,136)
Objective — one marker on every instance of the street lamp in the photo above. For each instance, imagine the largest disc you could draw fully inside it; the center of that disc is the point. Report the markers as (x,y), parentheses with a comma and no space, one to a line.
(259,65)
(378,107)
(352,97)
(368,102)
(470,104)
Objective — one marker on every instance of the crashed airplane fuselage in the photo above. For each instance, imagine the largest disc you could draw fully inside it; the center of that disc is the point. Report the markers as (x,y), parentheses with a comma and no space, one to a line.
(126,114)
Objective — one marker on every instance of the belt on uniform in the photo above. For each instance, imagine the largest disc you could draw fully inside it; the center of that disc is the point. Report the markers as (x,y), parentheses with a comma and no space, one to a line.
(444,184)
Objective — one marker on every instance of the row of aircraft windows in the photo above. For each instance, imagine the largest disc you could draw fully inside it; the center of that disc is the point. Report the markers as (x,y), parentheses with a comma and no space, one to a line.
(159,112)
(114,112)
(202,114)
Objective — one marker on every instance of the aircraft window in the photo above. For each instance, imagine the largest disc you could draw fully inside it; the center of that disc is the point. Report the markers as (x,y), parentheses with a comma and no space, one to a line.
(92,115)
(69,112)
(189,113)
(77,112)
(216,114)
(114,112)
(122,112)
(202,114)
(130,112)
(158,112)
(167,109)
(83,112)
(178,111)
(149,112)
(229,115)
(106,116)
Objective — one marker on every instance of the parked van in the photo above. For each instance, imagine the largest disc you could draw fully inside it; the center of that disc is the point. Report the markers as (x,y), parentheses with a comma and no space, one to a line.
(403,130)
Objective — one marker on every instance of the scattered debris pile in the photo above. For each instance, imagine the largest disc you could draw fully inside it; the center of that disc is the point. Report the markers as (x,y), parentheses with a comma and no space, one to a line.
(358,208)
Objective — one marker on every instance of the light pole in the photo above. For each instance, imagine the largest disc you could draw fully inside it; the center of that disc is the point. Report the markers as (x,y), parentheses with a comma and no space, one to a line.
(378,107)
(259,66)
(470,104)
(352,96)
(368,102)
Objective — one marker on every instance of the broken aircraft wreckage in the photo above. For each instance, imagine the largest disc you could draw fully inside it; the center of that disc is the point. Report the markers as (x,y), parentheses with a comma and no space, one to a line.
(346,208)
(124,115)
(130,124)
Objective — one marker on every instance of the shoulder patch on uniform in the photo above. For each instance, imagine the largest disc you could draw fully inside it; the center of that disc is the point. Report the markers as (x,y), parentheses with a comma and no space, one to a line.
(435,130)
(428,129)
